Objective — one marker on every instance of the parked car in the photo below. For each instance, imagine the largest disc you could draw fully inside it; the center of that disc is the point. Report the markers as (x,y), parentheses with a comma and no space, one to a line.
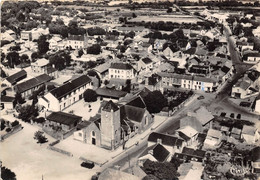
(200,97)
(87,164)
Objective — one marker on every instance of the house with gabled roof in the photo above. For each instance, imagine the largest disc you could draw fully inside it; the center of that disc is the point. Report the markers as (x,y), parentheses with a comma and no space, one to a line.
(240,89)
(40,66)
(189,154)
(77,41)
(156,153)
(171,143)
(66,95)
(121,71)
(152,82)
(250,134)
(145,64)
(188,134)
(213,139)
(14,78)
(63,120)
(26,88)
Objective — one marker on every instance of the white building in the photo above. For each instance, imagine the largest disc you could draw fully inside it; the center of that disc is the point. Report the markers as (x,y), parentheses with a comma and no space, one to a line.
(40,66)
(77,41)
(121,71)
(145,64)
(62,97)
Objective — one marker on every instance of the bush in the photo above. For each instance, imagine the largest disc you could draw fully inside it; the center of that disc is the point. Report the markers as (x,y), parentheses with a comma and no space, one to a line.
(15,123)
(8,130)
(7,174)
(3,125)
(39,136)
(39,120)
(90,95)
(94,49)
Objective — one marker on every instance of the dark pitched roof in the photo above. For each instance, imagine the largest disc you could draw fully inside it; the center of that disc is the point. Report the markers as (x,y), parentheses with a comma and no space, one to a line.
(196,153)
(16,77)
(166,139)
(63,90)
(50,69)
(7,99)
(137,102)
(110,106)
(110,93)
(160,153)
(225,69)
(31,83)
(183,136)
(63,118)
(76,37)
(121,66)
(190,51)
(144,92)
(132,113)
(147,60)
(83,124)
(256,154)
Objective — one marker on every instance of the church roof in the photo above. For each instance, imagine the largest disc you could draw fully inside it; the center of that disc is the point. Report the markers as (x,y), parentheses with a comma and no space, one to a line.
(110,106)
(137,102)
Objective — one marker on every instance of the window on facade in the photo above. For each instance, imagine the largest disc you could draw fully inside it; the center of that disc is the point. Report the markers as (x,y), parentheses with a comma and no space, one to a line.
(80,134)
(93,133)
(115,131)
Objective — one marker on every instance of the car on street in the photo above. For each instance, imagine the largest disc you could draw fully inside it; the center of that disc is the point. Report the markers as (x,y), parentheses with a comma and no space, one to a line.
(87,164)
(200,97)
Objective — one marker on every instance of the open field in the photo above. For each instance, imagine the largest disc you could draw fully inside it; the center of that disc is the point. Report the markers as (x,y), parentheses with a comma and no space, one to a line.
(167,18)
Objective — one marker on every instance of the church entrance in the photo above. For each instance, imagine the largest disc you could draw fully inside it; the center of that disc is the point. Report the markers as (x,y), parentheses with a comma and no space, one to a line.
(94,141)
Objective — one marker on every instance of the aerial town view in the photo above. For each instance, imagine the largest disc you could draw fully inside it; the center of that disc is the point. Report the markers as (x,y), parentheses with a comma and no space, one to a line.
(130,90)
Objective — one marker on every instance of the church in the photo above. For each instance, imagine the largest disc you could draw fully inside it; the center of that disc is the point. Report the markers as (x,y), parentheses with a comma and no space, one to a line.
(115,123)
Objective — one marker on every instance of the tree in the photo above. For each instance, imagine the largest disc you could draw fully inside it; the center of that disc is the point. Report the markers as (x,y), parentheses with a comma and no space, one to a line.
(155,101)
(39,136)
(90,95)
(43,45)
(80,53)
(13,59)
(96,31)
(19,99)
(28,112)
(127,87)
(60,60)
(94,49)
(134,15)
(164,170)
(24,58)
(130,34)
(34,56)
(211,46)
(3,74)
(7,174)
(169,10)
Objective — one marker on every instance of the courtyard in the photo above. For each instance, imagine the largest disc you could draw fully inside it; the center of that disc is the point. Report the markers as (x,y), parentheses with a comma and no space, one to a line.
(29,160)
